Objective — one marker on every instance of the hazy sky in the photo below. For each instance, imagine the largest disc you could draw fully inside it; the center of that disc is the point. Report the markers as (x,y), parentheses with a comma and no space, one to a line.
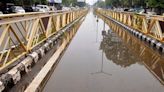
(91,2)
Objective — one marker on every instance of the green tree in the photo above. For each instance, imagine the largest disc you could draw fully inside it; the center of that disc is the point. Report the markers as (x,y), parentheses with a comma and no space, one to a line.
(25,2)
(125,3)
(155,3)
(114,3)
(100,4)
(69,2)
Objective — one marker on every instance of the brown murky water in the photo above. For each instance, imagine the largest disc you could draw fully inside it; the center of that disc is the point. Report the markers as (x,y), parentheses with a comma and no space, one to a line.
(97,61)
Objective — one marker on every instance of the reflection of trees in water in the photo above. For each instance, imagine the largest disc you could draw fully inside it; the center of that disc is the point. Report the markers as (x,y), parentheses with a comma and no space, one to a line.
(116,51)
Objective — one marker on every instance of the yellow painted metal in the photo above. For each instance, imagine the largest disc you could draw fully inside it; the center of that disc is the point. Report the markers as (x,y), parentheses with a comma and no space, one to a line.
(153,61)
(149,25)
(20,33)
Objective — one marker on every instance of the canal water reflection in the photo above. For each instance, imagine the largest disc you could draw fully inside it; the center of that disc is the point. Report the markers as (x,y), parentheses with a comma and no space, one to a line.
(151,59)
(107,61)
(116,51)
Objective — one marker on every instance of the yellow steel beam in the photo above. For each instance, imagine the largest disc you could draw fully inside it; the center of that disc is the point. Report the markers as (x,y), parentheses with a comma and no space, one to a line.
(34,27)
(149,25)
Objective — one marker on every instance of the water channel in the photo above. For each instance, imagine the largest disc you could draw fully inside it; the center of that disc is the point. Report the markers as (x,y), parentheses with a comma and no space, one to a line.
(102,61)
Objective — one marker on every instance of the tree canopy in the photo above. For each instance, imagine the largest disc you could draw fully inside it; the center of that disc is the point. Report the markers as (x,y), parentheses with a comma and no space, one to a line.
(155,3)
(30,2)
(69,2)
(135,3)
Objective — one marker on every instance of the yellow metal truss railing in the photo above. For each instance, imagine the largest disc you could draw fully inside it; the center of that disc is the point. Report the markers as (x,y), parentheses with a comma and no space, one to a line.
(152,60)
(20,33)
(149,25)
